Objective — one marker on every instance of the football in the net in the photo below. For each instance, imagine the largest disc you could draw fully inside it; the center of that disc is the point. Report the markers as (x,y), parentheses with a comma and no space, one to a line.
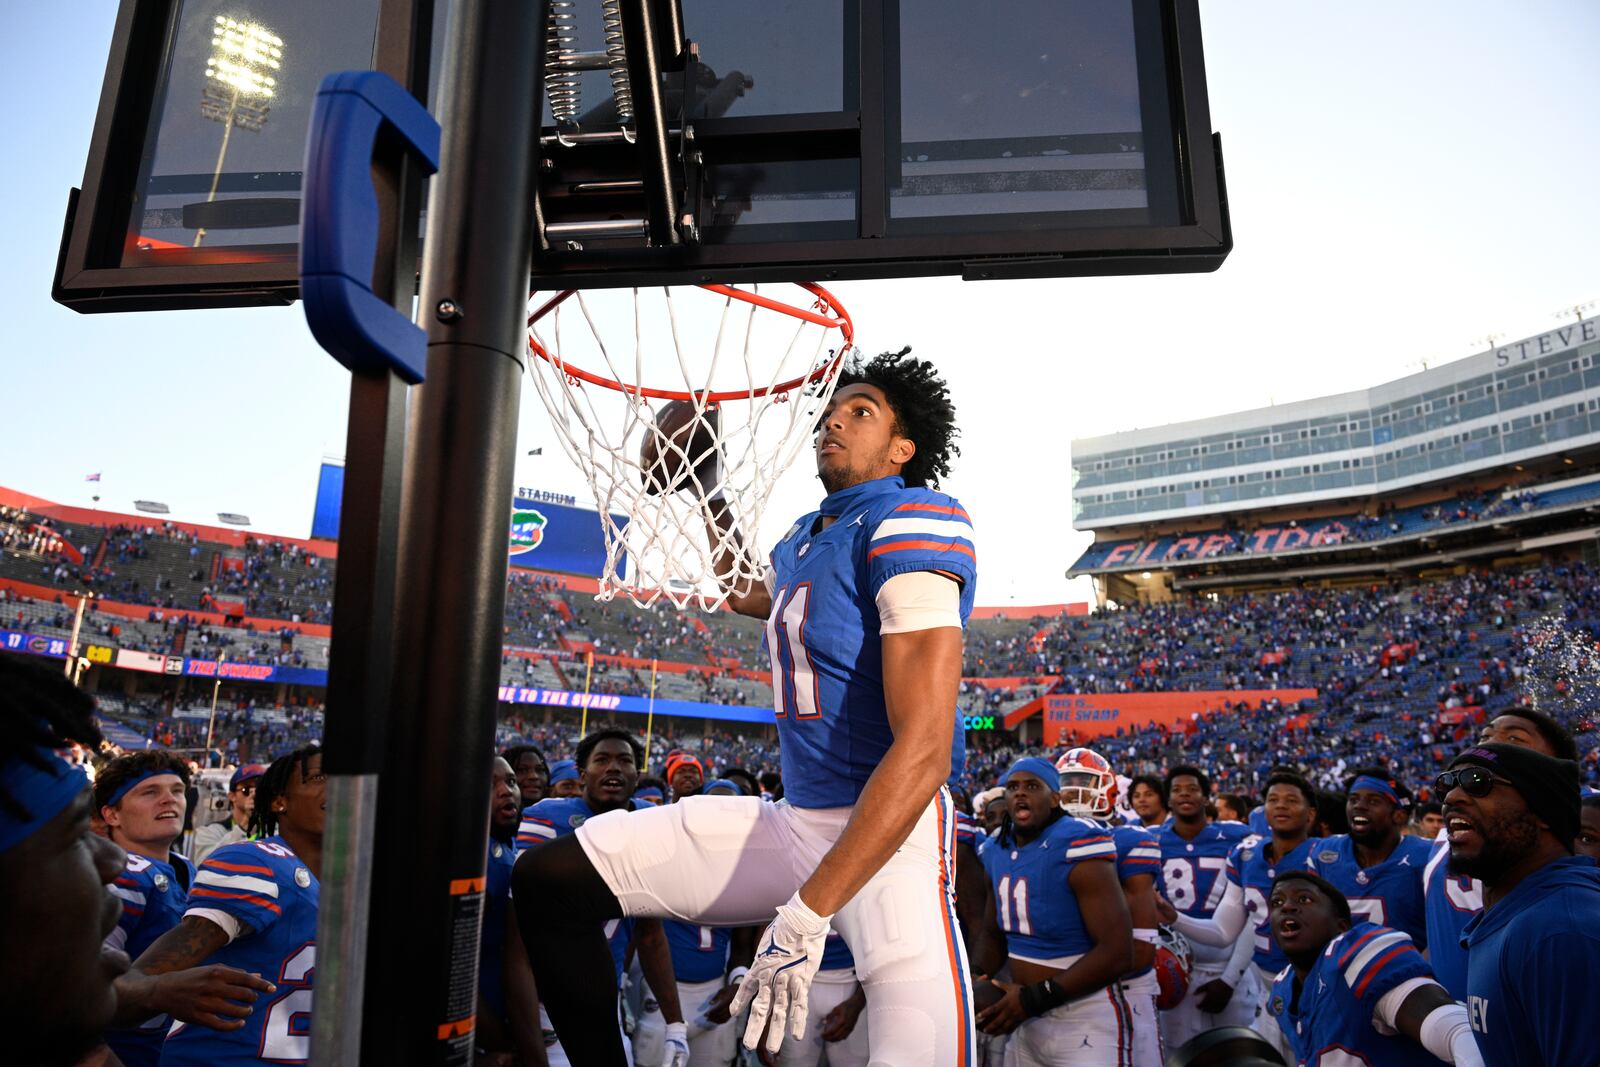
(679,452)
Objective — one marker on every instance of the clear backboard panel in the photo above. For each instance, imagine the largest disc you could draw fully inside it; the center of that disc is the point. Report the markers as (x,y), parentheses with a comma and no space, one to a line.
(802,139)
(220,180)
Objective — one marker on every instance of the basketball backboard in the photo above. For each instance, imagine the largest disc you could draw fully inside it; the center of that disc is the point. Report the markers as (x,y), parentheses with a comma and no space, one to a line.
(799,140)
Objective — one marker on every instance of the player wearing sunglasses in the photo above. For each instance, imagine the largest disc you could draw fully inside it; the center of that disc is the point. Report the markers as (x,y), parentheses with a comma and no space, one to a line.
(1511,815)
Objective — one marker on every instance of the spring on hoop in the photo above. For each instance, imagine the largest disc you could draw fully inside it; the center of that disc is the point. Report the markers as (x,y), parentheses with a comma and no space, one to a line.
(617,60)
(560,80)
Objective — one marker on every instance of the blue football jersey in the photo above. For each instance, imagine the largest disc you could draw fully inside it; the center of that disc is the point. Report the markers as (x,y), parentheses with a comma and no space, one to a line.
(556,817)
(1532,983)
(1389,893)
(154,895)
(496,905)
(1449,902)
(822,635)
(1138,852)
(265,888)
(1251,870)
(836,954)
(1329,1021)
(699,953)
(1033,903)
(1192,874)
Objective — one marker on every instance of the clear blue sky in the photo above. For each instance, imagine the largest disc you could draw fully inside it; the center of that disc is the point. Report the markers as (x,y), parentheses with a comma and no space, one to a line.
(1405,178)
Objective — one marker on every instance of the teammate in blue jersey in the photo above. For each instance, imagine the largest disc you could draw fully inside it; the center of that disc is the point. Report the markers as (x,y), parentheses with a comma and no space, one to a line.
(1223,990)
(1377,866)
(1451,900)
(1355,992)
(56,976)
(1089,791)
(1290,804)
(1532,984)
(503,973)
(865,601)
(253,908)
(142,800)
(1068,932)
(608,762)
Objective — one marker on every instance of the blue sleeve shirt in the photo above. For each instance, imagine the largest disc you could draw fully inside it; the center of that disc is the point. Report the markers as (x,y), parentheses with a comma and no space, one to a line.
(1328,1018)
(153,895)
(1138,853)
(492,943)
(1449,903)
(1533,985)
(264,886)
(823,633)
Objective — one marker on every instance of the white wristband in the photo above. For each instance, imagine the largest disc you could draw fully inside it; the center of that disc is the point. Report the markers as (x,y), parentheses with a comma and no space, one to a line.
(736,974)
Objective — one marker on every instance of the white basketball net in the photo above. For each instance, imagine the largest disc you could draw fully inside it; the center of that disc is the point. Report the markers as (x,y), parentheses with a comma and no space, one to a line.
(756,378)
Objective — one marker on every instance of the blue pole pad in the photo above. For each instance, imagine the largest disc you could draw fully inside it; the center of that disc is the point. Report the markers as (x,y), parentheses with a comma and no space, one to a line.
(339,222)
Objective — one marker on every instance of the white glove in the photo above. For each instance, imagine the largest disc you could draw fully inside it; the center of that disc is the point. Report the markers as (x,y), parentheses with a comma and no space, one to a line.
(779,981)
(675,1046)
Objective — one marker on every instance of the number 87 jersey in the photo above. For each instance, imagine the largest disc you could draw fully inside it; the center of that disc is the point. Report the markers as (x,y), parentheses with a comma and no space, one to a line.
(264,895)
(1192,875)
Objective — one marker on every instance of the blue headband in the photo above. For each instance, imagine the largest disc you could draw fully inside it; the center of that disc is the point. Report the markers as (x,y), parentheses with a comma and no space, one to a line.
(649,791)
(1041,769)
(43,791)
(563,770)
(715,782)
(122,790)
(1378,785)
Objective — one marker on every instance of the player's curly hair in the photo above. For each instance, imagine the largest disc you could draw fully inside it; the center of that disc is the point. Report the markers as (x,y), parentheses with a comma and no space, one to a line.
(923,410)
(274,784)
(125,768)
(39,708)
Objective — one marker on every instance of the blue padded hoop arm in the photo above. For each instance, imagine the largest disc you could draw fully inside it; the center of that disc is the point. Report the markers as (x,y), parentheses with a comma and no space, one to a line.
(339,222)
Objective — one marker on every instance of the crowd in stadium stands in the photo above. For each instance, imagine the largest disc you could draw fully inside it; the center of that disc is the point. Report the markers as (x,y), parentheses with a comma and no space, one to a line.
(1386,521)
(277,579)
(1400,668)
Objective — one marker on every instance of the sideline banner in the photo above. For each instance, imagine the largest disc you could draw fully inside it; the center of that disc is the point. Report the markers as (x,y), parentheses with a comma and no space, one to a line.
(1099,714)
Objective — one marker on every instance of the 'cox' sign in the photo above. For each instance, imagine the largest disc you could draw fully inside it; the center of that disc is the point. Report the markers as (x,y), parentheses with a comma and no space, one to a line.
(977,722)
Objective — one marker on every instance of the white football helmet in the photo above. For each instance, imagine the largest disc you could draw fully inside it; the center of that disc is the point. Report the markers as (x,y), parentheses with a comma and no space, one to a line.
(1088,784)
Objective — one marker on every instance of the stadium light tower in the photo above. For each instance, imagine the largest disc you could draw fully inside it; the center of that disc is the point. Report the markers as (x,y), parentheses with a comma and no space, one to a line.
(241,80)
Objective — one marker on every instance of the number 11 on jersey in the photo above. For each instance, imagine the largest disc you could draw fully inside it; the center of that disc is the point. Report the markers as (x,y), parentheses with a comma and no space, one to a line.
(794,676)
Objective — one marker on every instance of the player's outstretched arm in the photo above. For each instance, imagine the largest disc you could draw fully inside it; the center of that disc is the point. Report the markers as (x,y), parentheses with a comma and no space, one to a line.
(1223,928)
(1215,995)
(1429,1016)
(731,550)
(168,979)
